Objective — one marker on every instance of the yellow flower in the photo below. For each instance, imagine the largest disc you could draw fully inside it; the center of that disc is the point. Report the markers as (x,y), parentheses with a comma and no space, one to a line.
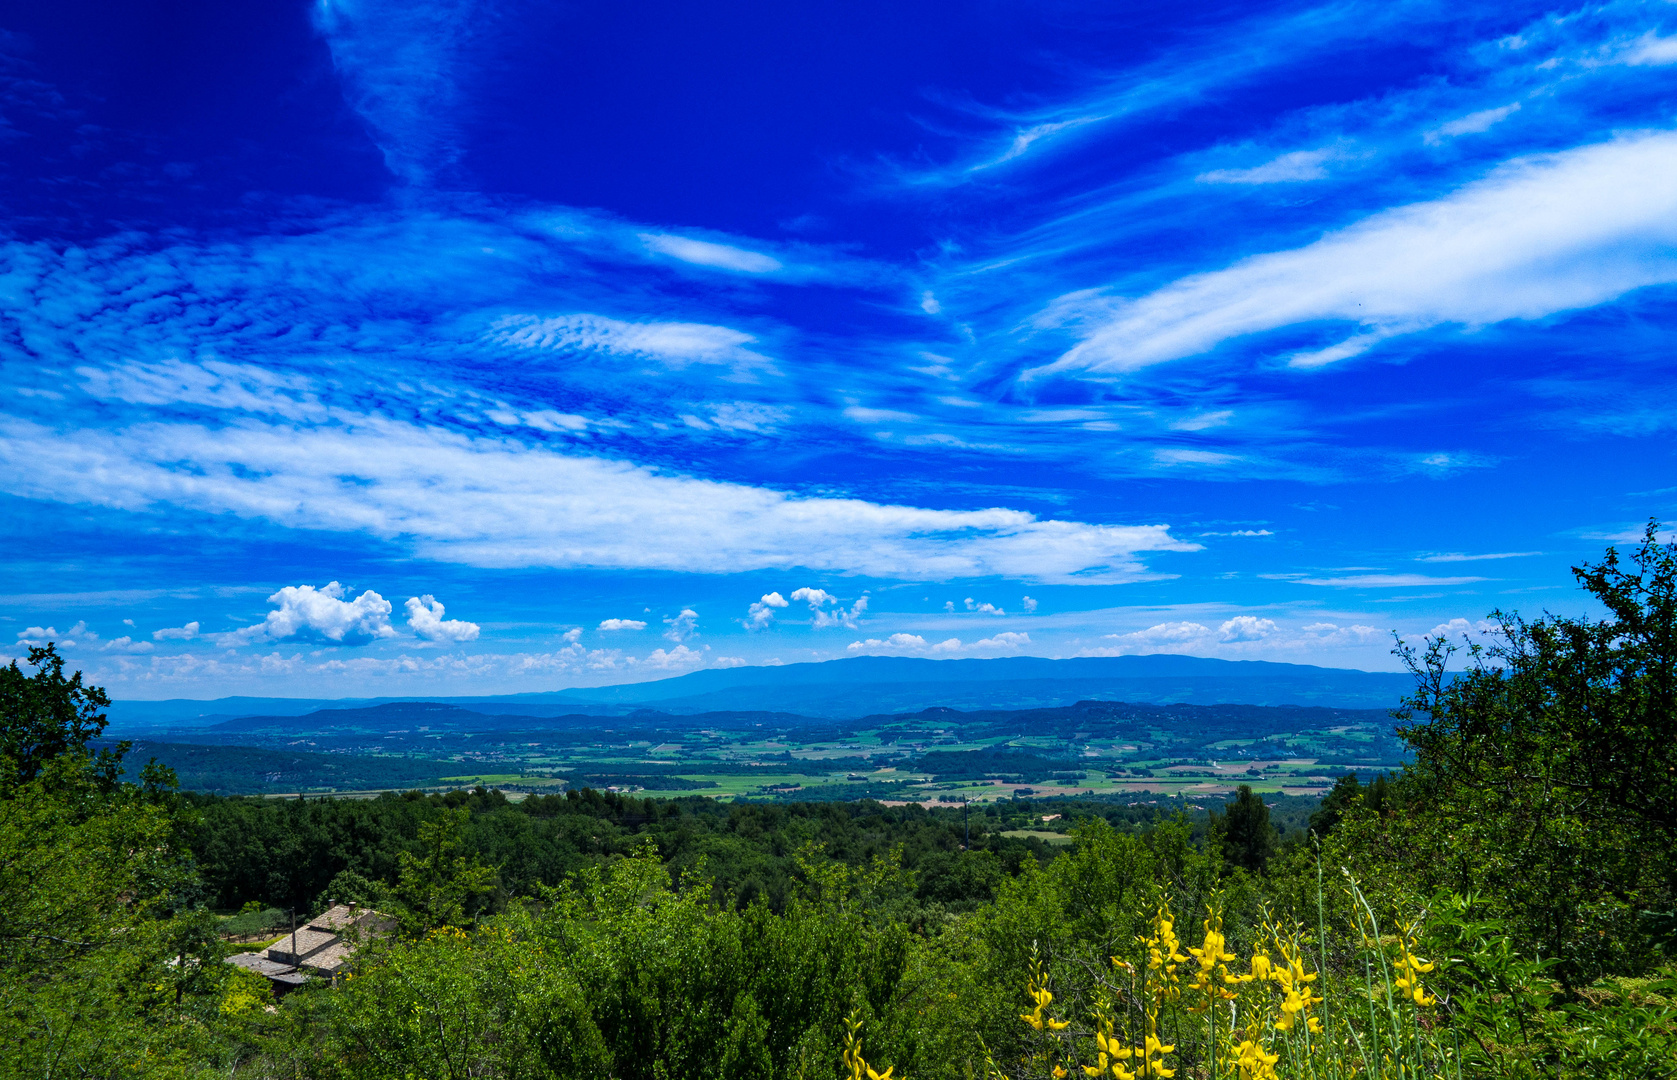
(1212,957)
(1410,968)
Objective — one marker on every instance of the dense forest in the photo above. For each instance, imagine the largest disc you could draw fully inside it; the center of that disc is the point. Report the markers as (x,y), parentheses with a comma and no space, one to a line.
(1506,905)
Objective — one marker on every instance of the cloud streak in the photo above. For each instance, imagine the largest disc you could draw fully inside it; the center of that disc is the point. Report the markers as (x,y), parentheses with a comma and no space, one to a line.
(496,503)
(1539,236)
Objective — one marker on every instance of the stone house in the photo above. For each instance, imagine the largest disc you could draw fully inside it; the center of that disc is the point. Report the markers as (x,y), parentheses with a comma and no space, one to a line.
(323,948)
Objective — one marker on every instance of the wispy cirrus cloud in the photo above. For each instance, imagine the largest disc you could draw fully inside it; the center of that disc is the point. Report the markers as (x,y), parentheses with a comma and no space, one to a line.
(1540,236)
(494,502)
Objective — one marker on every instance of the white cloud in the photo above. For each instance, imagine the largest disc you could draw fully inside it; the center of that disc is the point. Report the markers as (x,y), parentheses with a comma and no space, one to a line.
(1651,50)
(929,304)
(37,636)
(497,503)
(915,645)
(321,614)
(1386,581)
(1479,630)
(1540,235)
(678,657)
(1472,123)
(863,415)
(818,601)
(425,618)
(1029,605)
(761,613)
(1327,633)
(126,644)
(705,253)
(1245,628)
(682,626)
(1164,635)
(1203,420)
(1288,168)
(177,633)
(1178,456)
(729,662)
(571,636)
(1451,556)
(212,383)
(740,416)
(622,624)
(541,420)
(904,645)
(985,608)
(670,343)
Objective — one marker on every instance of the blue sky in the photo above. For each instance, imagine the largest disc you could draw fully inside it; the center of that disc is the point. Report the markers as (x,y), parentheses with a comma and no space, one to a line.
(365,347)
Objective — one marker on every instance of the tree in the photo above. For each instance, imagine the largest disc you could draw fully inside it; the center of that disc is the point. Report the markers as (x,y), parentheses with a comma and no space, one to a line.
(1546,771)
(442,886)
(1347,792)
(1248,837)
(45,715)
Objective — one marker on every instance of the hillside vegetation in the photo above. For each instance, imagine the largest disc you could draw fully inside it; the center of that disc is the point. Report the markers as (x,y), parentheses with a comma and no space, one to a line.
(1505,905)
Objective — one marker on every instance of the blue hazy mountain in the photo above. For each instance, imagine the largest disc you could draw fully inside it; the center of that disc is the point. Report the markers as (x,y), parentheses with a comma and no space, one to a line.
(867,685)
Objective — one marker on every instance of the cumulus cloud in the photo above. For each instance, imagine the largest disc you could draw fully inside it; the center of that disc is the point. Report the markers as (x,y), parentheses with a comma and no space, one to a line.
(496,503)
(1029,605)
(1163,636)
(915,645)
(176,633)
(126,644)
(827,610)
(682,626)
(622,624)
(729,662)
(1006,640)
(37,636)
(985,608)
(319,614)
(904,645)
(1245,628)
(1328,633)
(678,657)
(761,613)
(1540,235)
(425,618)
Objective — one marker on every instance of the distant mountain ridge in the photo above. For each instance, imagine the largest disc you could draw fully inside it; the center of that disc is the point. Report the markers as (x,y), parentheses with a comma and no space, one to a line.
(864,685)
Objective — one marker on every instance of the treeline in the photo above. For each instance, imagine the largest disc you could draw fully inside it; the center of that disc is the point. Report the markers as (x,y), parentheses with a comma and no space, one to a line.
(287,852)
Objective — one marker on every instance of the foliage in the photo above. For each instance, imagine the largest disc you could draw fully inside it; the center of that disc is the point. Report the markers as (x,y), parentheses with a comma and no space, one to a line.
(1546,772)
(46,715)
(1500,909)
(442,886)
